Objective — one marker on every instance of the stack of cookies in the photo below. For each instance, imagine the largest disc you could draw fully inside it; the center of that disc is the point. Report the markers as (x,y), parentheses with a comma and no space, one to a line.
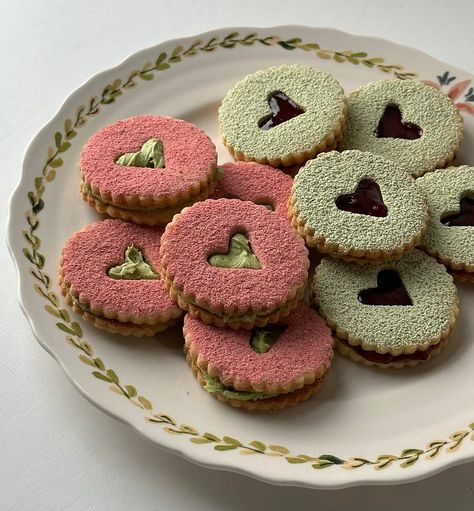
(369,188)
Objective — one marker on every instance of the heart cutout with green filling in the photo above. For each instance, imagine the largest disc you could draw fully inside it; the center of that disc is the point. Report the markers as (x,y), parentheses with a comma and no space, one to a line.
(151,155)
(263,339)
(133,268)
(239,255)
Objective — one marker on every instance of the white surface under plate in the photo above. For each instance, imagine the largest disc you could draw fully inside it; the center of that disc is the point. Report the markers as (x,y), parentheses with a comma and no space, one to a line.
(364,426)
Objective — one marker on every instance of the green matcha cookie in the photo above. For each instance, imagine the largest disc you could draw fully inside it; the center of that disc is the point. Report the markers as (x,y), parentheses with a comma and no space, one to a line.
(394,314)
(357,206)
(410,123)
(450,233)
(283,115)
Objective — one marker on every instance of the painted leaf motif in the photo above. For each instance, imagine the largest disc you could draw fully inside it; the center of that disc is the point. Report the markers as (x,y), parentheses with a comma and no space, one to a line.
(457,89)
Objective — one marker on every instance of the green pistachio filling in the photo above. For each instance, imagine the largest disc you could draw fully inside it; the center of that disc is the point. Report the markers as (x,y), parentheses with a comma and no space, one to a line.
(263,339)
(133,268)
(240,255)
(151,155)
(213,385)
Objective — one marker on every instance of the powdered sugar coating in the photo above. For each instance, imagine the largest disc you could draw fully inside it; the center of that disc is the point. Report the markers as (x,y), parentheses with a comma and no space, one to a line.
(91,252)
(322,180)
(254,182)
(304,348)
(189,156)
(444,190)
(206,228)
(316,91)
(392,329)
(420,104)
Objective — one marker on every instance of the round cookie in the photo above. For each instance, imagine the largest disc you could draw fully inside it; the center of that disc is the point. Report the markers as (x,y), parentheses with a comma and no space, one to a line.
(254,182)
(109,274)
(265,368)
(408,122)
(283,115)
(147,168)
(450,233)
(391,315)
(357,206)
(233,263)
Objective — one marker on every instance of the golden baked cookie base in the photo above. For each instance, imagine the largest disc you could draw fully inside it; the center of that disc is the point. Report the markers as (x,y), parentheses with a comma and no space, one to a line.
(152,321)
(463,276)
(329,143)
(467,270)
(114,326)
(146,202)
(354,341)
(447,159)
(151,217)
(350,255)
(344,349)
(220,318)
(244,385)
(271,403)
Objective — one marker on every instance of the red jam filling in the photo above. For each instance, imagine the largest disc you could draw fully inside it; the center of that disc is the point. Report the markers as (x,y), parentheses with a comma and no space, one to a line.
(391,125)
(386,358)
(389,291)
(366,200)
(465,217)
(283,109)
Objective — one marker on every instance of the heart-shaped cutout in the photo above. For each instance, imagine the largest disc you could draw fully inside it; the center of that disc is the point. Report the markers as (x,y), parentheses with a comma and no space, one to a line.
(133,268)
(151,155)
(389,291)
(391,125)
(239,255)
(283,109)
(365,200)
(465,217)
(263,339)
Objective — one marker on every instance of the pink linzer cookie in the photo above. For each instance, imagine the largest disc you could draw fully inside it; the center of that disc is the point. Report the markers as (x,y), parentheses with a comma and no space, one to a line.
(109,274)
(261,184)
(265,368)
(233,263)
(147,168)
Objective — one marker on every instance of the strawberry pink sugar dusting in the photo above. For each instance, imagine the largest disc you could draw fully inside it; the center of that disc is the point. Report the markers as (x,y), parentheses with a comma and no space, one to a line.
(189,157)
(91,252)
(305,347)
(206,228)
(257,183)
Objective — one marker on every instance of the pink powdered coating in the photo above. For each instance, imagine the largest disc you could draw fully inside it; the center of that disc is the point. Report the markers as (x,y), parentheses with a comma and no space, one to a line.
(189,155)
(206,228)
(91,252)
(254,182)
(305,347)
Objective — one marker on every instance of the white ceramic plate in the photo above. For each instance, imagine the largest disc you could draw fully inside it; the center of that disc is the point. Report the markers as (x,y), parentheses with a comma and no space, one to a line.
(364,426)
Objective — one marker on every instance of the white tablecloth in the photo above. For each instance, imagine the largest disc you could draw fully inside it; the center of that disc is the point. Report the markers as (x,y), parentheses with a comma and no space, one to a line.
(56,450)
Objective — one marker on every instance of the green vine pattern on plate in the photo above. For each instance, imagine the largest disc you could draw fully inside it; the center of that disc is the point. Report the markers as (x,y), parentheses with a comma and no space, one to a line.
(73,330)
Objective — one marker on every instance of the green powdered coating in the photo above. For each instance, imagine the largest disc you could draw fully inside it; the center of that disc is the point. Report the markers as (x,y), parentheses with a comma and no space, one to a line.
(420,104)
(322,180)
(444,189)
(336,286)
(317,92)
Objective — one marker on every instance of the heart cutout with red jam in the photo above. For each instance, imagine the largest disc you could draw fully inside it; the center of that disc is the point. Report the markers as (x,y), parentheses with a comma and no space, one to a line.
(465,217)
(283,109)
(366,200)
(389,291)
(391,125)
